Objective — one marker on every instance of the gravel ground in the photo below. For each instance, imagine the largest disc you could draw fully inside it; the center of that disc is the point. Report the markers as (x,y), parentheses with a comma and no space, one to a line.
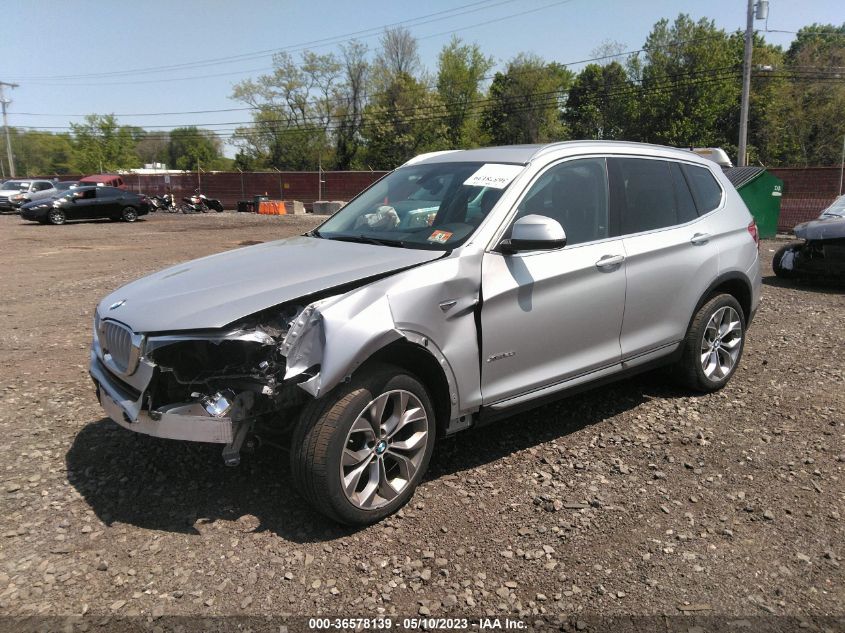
(636,499)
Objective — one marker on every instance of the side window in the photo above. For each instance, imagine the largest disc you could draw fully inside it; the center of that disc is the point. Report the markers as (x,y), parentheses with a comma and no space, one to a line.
(42,186)
(705,189)
(575,194)
(644,193)
(683,198)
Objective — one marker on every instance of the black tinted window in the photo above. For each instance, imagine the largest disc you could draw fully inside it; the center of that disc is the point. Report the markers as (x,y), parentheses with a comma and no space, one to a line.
(706,190)
(647,195)
(575,194)
(683,197)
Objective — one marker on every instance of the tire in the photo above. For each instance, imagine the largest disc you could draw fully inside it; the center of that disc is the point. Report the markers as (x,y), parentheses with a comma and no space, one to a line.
(713,345)
(337,427)
(56,216)
(129,214)
(780,271)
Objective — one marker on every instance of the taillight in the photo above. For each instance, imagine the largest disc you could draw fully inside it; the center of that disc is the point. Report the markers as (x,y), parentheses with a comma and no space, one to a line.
(752,228)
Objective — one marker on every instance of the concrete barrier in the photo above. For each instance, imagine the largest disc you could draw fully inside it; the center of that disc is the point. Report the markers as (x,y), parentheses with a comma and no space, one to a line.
(324,207)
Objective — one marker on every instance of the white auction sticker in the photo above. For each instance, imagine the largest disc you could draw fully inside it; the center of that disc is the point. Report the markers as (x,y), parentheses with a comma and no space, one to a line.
(494,175)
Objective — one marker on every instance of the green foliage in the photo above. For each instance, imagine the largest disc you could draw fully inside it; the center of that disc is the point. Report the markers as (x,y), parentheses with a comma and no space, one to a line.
(404,120)
(101,145)
(690,81)
(190,147)
(41,153)
(460,73)
(602,103)
(807,117)
(525,101)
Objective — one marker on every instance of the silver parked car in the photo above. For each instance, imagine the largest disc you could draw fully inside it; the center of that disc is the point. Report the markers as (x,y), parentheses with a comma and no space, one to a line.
(14,193)
(458,289)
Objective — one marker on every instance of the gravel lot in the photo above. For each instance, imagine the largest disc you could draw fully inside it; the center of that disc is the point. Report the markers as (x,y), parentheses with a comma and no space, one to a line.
(634,499)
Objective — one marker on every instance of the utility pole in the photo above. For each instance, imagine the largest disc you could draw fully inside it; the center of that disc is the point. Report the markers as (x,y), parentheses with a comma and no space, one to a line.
(6,102)
(842,165)
(762,8)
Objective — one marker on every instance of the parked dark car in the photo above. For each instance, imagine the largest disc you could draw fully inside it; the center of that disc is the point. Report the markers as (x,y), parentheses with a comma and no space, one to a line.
(822,253)
(87,203)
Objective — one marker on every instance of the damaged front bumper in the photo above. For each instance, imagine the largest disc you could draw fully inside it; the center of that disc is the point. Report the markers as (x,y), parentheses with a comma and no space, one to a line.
(186,421)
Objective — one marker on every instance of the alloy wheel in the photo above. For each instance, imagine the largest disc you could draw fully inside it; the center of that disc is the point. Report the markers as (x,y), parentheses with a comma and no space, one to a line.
(721,343)
(384,449)
(56,216)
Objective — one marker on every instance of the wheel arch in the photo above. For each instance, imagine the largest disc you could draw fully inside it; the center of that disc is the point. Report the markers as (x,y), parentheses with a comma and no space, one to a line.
(735,284)
(418,356)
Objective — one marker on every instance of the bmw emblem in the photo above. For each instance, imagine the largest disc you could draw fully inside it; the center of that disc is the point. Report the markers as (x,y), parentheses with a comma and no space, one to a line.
(117,304)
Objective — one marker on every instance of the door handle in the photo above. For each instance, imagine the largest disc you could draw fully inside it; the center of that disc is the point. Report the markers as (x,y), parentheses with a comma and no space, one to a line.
(609,261)
(700,238)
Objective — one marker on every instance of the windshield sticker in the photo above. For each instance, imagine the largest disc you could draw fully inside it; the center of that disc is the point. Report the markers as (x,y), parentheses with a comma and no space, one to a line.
(493,175)
(441,237)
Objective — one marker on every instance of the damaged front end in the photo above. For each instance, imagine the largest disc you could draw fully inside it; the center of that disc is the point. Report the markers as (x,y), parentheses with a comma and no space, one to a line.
(208,386)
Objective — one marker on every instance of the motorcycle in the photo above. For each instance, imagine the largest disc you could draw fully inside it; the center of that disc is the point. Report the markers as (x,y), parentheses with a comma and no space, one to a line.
(163,203)
(200,203)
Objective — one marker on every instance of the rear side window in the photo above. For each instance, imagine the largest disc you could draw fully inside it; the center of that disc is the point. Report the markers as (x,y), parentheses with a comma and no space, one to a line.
(644,193)
(683,198)
(705,189)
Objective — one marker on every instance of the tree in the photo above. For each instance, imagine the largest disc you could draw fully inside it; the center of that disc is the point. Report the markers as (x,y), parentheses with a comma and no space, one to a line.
(460,72)
(807,119)
(294,107)
(690,85)
(399,56)
(190,147)
(153,147)
(404,120)
(41,153)
(524,102)
(100,144)
(601,103)
(352,98)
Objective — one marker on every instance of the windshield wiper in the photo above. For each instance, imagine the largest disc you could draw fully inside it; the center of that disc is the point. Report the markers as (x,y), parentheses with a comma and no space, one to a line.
(366,239)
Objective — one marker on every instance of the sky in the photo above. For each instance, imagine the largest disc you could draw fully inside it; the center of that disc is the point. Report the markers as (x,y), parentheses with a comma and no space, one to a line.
(139,58)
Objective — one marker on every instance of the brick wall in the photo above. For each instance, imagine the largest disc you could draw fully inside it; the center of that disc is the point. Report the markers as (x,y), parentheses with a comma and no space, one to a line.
(806,191)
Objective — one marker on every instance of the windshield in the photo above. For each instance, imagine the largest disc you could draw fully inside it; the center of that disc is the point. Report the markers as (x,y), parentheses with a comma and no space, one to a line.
(837,209)
(435,206)
(20,185)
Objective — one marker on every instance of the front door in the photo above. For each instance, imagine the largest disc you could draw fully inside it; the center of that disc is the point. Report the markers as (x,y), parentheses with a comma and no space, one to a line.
(550,316)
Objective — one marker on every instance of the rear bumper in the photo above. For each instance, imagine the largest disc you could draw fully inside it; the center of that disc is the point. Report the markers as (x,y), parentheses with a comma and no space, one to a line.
(183,421)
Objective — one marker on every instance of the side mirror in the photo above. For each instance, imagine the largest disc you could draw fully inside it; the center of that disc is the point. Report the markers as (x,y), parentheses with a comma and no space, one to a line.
(534,233)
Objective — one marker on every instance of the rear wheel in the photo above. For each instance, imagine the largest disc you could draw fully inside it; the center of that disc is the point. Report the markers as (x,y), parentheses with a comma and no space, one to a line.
(713,345)
(129,214)
(56,216)
(359,452)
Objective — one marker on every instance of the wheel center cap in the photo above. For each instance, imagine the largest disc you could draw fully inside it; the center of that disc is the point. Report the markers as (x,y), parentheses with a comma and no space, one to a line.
(381,447)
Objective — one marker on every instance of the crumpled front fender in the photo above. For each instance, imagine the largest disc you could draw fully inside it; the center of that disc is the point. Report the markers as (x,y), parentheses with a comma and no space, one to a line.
(334,338)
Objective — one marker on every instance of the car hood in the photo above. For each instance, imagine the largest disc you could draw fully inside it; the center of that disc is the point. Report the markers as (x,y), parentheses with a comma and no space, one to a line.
(214,291)
(831,228)
(11,192)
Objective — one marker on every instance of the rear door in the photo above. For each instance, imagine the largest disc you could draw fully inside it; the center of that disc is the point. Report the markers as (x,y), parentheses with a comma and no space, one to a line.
(670,259)
(549,316)
(108,202)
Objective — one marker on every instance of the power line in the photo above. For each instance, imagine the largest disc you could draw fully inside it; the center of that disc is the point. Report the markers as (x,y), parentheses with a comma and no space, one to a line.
(453,12)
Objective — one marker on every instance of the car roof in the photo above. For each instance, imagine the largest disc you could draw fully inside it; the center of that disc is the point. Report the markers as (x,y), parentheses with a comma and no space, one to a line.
(524,154)
(99,178)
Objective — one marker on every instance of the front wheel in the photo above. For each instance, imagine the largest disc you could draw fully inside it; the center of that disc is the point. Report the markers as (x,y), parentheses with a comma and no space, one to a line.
(713,345)
(782,262)
(129,214)
(359,452)
(56,216)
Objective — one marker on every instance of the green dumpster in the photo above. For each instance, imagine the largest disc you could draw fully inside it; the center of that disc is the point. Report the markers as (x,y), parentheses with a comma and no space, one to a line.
(761,193)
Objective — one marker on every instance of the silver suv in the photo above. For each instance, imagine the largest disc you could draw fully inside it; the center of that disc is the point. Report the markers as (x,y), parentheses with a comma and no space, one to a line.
(459,288)
(14,193)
